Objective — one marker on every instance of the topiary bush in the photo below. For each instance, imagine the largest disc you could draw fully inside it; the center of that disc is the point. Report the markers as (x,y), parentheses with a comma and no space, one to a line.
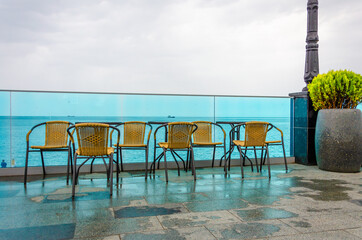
(336,89)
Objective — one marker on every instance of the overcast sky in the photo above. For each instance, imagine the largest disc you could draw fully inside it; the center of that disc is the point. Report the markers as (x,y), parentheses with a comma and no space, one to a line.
(231,47)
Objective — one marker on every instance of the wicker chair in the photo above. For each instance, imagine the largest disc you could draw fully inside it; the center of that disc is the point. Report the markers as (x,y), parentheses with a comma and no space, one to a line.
(134,133)
(179,138)
(276,143)
(93,143)
(56,139)
(255,135)
(203,138)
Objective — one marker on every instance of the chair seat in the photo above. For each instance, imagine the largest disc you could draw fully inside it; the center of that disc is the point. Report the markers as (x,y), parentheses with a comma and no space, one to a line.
(207,143)
(165,145)
(242,143)
(109,151)
(239,143)
(130,145)
(271,142)
(45,147)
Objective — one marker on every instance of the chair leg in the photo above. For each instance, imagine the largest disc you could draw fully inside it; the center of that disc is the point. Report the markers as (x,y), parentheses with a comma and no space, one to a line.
(42,161)
(74,175)
(69,153)
(178,167)
(256,160)
(213,156)
(187,160)
(231,151)
(193,163)
(164,155)
(117,167)
(146,167)
(268,160)
(154,160)
(242,158)
(223,156)
(285,158)
(262,160)
(111,174)
(26,166)
(91,166)
(107,168)
(121,158)
(189,166)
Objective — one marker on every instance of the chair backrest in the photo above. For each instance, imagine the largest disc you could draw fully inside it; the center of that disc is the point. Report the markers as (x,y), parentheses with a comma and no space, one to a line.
(92,138)
(56,133)
(203,132)
(255,133)
(179,134)
(134,132)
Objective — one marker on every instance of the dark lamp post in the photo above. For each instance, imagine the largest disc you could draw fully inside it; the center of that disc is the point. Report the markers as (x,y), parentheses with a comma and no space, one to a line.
(303,117)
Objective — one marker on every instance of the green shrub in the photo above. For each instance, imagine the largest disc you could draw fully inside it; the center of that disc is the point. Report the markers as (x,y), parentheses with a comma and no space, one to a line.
(336,89)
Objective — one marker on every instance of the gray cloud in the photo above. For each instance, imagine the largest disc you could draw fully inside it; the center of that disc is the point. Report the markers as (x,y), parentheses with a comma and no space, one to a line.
(200,47)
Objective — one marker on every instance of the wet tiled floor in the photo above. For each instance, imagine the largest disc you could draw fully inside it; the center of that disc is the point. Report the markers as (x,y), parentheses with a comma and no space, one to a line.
(305,203)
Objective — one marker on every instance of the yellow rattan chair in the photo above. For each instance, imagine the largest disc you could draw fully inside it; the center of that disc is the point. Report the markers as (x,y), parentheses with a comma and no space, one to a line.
(134,138)
(277,143)
(179,138)
(202,138)
(56,139)
(93,143)
(255,135)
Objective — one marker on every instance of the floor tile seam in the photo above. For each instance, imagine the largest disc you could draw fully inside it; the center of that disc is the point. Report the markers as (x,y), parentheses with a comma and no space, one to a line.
(184,205)
(159,221)
(238,217)
(210,232)
(345,230)
(289,225)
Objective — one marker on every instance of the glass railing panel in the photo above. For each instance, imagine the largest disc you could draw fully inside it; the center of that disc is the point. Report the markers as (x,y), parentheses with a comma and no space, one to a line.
(32,108)
(5,130)
(163,108)
(243,109)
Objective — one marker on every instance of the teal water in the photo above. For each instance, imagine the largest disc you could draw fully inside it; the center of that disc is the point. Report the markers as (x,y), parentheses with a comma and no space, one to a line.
(13,138)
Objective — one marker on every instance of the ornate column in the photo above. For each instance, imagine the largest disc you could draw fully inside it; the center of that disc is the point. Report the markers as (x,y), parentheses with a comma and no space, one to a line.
(303,116)
(311,57)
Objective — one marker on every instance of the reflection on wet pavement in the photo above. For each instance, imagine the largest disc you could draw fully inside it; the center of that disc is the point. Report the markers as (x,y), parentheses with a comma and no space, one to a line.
(305,203)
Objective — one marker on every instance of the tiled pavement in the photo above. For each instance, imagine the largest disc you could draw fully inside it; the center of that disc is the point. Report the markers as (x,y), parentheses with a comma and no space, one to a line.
(305,203)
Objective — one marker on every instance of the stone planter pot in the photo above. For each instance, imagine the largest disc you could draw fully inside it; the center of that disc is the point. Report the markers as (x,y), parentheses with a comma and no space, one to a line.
(338,140)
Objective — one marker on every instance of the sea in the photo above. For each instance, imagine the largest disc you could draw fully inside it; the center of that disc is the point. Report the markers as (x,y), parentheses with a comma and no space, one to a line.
(13,131)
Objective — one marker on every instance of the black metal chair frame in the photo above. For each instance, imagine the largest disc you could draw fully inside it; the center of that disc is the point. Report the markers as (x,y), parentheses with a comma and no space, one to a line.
(28,150)
(109,170)
(213,146)
(174,153)
(276,144)
(190,154)
(243,155)
(119,158)
(233,135)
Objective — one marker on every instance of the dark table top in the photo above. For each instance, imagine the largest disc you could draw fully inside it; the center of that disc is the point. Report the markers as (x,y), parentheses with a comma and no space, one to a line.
(230,122)
(157,122)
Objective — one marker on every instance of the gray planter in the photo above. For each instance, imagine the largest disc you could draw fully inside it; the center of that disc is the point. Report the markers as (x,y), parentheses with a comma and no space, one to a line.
(338,140)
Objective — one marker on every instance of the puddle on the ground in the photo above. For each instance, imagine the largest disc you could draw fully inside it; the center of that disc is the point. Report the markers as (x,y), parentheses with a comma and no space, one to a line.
(301,224)
(144,211)
(322,190)
(249,230)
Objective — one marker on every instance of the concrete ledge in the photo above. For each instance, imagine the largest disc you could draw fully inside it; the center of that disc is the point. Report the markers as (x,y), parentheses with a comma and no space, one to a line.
(19,171)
